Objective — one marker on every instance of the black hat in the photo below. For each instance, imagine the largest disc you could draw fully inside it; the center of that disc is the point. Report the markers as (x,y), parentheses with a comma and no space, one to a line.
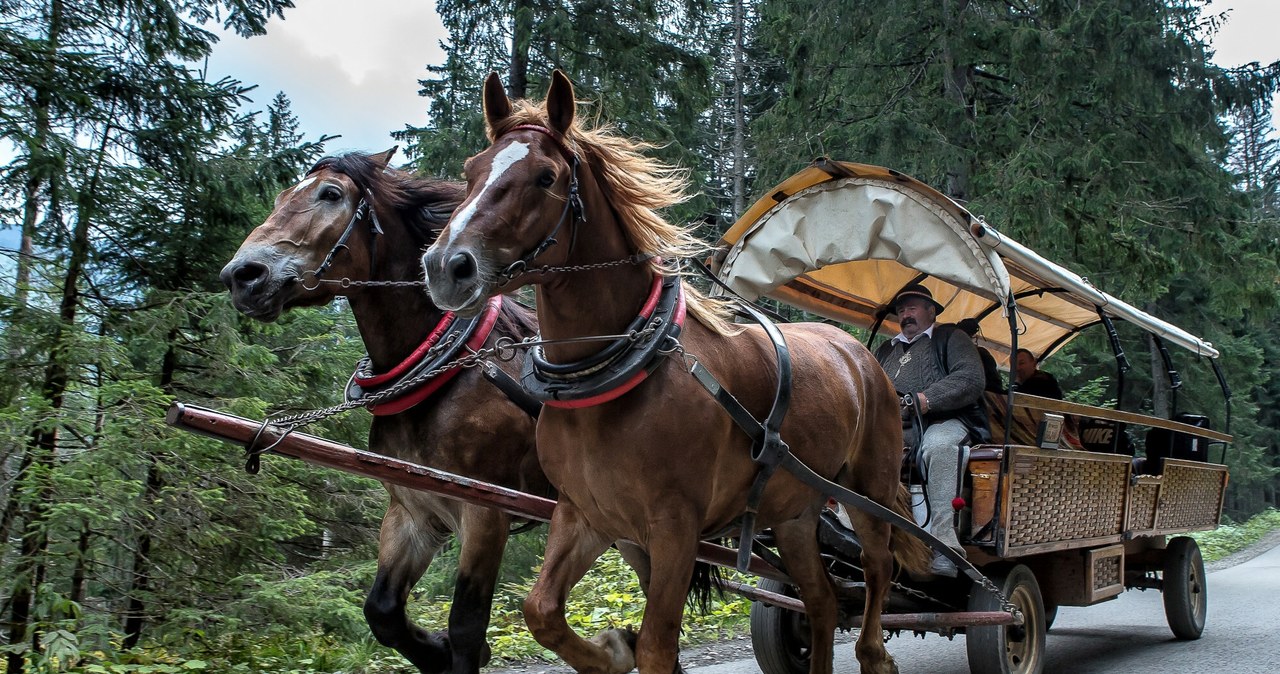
(914,290)
(969,326)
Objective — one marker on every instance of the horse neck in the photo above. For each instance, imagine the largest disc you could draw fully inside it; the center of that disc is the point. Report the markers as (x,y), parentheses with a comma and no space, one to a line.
(596,302)
(393,321)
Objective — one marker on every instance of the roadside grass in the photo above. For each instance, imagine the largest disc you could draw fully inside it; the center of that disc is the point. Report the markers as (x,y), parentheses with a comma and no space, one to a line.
(1231,537)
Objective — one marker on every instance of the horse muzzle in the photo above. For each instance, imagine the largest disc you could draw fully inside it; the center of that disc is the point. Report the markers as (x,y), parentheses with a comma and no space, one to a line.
(260,285)
(454,279)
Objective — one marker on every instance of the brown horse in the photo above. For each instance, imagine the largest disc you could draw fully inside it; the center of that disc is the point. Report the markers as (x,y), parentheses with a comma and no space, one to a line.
(662,465)
(371,223)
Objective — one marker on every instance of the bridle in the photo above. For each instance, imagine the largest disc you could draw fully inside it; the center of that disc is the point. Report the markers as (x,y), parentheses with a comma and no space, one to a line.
(363,209)
(572,203)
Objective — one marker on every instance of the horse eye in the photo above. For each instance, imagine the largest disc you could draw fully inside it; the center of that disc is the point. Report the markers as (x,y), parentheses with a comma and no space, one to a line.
(330,193)
(547,179)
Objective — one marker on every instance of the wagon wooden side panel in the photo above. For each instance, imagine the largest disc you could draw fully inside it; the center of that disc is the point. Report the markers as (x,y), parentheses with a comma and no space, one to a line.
(1060,500)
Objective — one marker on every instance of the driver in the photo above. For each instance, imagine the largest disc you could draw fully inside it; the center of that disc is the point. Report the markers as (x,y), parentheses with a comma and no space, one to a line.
(946,380)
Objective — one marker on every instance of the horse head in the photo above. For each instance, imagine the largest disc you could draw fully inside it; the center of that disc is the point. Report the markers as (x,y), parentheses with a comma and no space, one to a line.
(521,200)
(332,226)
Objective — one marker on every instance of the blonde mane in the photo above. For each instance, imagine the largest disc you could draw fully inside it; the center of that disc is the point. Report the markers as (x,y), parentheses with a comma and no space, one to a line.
(637,187)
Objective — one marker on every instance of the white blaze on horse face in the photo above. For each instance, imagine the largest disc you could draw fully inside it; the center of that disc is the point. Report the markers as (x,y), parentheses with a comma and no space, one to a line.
(302,185)
(507,157)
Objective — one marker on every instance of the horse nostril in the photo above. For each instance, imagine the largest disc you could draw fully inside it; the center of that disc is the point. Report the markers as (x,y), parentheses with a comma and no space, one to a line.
(462,266)
(248,275)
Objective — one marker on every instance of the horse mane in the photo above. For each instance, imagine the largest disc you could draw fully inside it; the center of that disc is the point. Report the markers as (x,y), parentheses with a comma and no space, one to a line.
(637,187)
(423,204)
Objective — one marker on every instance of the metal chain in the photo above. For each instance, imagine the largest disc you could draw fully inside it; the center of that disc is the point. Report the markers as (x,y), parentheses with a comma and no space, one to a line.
(346,282)
(503,349)
(550,269)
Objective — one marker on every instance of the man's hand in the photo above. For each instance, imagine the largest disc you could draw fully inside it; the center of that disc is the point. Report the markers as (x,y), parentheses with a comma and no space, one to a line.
(917,400)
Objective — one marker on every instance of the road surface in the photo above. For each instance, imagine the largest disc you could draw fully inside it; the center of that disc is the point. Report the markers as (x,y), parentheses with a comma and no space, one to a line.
(1128,634)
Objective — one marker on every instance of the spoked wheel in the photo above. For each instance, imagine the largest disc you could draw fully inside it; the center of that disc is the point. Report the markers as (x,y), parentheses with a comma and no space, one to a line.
(780,638)
(1186,599)
(1008,649)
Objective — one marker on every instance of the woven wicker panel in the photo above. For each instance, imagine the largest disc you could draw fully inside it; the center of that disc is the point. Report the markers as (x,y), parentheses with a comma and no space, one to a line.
(1192,497)
(1142,507)
(1106,572)
(1055,496)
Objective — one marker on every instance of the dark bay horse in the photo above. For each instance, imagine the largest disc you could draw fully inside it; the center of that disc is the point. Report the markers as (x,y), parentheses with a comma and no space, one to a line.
(371,223)
(573,210)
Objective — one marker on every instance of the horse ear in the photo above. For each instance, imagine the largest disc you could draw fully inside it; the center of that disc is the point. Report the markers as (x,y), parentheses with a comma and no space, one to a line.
(497,107)
(383,158)
(560,103)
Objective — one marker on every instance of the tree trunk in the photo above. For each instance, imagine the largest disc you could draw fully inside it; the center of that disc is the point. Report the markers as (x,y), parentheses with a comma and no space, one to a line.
(36,151)
(82,565)
(135,615)
(957,84)
(521,35)
(43,446)
(739,116)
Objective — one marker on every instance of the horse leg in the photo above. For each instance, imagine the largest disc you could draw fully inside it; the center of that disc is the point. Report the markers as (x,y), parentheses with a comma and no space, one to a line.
(484,537)
(404,552)
(797,541)
(672,556)
(877,567)
(571,550)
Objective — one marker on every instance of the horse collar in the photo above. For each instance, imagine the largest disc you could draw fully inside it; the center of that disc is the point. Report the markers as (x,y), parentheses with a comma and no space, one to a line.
(445,342)
(619,367)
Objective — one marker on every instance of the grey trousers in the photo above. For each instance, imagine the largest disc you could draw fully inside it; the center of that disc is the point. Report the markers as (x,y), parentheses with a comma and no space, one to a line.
(940,464)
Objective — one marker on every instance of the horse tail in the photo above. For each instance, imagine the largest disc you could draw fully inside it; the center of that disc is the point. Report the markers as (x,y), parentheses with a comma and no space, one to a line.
(706,579)
(912,554)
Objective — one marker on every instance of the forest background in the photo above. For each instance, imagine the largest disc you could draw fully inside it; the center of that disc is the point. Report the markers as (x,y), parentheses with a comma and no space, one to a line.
(1100,133)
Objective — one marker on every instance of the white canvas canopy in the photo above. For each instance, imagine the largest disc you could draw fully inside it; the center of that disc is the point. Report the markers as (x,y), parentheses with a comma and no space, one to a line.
(840,240)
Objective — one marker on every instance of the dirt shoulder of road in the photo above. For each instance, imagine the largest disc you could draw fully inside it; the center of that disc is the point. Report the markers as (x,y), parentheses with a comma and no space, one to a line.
(735,648)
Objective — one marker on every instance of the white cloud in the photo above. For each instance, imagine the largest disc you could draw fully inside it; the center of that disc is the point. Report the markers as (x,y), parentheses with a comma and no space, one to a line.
(1249,33)
(347,69)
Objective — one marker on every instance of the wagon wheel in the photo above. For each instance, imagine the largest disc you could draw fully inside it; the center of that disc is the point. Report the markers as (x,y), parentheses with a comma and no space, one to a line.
(1008,649)
(780,638)
(1186,598)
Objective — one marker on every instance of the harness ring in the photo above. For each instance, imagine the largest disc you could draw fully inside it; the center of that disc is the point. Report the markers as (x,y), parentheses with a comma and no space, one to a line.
(303,280)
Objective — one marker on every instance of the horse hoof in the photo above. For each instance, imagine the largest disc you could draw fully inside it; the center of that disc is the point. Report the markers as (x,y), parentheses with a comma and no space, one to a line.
(621,647)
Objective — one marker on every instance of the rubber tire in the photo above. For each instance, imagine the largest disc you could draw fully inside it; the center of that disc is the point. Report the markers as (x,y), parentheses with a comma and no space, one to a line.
(780,638)
(1008,649)
(1050,614)
(1186,597)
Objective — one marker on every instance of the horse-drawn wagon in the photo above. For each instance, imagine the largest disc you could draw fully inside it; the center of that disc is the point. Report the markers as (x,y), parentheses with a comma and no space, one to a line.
(1052,526)
(1051,522)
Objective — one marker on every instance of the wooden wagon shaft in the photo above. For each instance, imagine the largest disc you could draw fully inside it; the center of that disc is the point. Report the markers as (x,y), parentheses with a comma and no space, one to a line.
(891,621)
(321,452)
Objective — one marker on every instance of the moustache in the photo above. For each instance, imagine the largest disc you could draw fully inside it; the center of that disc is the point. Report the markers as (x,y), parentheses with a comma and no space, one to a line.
(907,321)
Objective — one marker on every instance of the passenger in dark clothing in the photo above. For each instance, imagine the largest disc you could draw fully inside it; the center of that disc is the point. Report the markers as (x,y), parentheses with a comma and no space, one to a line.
(989,367)
(1033,381)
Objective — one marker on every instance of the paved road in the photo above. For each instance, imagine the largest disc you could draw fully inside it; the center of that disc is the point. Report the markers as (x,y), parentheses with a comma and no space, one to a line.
(1128,634)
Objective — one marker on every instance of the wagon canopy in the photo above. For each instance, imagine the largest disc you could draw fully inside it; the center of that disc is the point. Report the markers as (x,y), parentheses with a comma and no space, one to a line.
(840,240)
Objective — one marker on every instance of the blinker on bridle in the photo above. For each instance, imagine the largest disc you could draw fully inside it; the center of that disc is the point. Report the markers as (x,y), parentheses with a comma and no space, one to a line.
(363,209)
(573,202)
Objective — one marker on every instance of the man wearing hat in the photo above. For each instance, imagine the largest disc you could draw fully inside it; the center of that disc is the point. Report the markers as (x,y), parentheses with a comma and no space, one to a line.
(945,382)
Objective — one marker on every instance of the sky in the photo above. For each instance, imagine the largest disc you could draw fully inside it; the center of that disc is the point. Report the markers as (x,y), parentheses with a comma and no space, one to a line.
(355,73)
